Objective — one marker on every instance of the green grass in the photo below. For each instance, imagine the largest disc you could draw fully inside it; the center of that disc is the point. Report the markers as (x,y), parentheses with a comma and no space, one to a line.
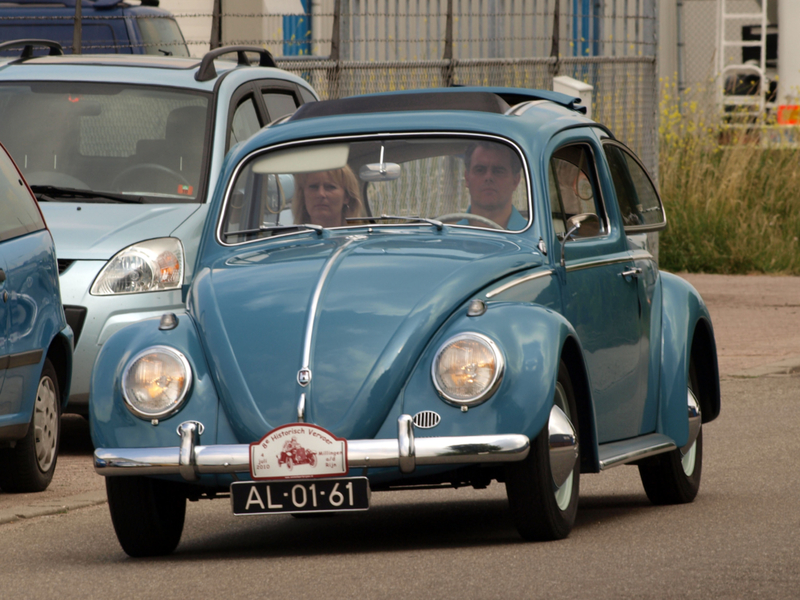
(733,205)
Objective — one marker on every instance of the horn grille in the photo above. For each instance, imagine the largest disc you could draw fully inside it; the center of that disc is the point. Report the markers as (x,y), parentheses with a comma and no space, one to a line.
(426,419)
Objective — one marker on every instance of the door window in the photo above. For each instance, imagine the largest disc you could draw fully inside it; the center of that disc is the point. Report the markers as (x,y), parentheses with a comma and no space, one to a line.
(574,190)
(279,104)
(245,122)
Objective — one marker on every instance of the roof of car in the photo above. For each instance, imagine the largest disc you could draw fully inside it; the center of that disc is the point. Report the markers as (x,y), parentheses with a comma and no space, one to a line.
(198,73)
(436,111)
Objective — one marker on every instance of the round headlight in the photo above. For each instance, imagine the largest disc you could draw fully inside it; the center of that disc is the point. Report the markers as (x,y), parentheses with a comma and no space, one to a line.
(155,383)
(467,369)
(149,266)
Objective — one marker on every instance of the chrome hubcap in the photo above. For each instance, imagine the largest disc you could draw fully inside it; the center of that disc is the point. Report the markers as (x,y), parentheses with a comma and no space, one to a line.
(45,424)
(563,442)
(689,451)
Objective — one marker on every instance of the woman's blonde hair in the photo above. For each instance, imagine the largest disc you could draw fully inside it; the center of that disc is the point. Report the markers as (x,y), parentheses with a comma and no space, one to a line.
(344,178)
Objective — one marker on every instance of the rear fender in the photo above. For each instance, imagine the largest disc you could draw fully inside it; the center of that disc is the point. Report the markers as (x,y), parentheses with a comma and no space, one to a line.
(686,332)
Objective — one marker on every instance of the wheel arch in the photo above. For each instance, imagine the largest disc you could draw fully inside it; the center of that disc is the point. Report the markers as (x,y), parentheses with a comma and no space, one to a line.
(60,355)
(587,433)
(704,358)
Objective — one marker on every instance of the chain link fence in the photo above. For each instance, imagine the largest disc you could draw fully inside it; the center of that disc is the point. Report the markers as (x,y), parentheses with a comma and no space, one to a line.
(347,47)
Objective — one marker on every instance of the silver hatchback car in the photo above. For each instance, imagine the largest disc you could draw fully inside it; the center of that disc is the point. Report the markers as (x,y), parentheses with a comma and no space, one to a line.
(123,153)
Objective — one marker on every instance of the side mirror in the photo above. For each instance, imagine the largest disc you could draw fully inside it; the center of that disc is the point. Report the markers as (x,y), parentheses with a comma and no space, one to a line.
(574,223)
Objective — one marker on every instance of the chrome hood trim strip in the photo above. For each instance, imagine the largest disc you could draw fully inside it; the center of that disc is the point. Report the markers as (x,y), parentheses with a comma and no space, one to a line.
(313,309)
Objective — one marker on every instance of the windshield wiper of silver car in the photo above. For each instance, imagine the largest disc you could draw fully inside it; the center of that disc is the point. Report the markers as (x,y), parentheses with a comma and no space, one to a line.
(438,224)
(52,193)
(318,228)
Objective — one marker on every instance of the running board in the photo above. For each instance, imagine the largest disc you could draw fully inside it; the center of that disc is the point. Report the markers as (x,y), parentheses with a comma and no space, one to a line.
(614,454)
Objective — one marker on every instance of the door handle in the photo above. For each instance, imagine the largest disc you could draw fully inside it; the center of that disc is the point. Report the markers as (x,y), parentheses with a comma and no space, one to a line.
(634,273)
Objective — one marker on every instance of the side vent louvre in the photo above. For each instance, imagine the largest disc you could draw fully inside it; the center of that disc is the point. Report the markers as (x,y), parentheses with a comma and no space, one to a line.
(427,419)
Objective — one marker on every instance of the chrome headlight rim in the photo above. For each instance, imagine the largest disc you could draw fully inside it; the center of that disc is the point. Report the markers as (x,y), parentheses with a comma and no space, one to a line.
(168,412)
(488,392)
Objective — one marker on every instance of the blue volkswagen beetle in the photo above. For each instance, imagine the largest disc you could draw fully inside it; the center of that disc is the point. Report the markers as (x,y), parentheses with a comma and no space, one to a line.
(429,287)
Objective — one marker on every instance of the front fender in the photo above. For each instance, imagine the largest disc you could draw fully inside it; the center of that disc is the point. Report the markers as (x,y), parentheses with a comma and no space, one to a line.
(686,328)
(113,425)
(532,339)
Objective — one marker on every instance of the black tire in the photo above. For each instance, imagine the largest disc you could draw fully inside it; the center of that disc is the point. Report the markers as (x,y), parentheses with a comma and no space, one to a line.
(540,511)
(674,478)
(147,514)
(30,464)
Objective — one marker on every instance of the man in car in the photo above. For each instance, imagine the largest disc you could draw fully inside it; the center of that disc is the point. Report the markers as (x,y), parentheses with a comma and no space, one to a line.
(492,173)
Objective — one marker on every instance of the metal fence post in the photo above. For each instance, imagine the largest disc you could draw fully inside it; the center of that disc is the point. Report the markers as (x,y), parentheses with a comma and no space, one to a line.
(554,52)
(216,25)
(77,30)
(336,33)
(448,45)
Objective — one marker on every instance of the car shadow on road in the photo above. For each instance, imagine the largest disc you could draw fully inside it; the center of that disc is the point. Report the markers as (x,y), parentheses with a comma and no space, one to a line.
(75,437)
(388,528)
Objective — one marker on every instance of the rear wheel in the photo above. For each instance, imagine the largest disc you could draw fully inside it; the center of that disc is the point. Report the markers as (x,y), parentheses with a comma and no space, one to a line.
(30,464)
(674,477)
(543,489)
(147,514)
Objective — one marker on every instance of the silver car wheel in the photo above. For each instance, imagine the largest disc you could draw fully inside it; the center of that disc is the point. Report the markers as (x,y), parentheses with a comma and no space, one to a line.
(563,493)
(45,423)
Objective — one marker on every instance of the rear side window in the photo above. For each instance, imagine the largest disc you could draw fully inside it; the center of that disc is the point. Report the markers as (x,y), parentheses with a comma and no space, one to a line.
(637,197)
(279,105)
(18,211)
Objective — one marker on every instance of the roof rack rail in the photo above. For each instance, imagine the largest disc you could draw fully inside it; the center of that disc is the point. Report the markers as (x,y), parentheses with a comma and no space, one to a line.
(207,72)
(28,46)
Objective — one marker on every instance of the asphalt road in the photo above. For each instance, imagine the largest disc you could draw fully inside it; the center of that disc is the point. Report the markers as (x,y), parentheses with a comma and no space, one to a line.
(737,540)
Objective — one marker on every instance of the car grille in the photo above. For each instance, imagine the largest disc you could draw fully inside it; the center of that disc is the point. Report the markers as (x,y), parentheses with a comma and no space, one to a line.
(64,264)
(76,315)
(426,419)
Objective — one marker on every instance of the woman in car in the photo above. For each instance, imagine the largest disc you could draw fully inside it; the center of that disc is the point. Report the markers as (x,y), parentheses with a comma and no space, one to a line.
(327,198)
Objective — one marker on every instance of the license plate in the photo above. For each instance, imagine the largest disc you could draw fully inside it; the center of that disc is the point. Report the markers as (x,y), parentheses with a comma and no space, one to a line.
(295,496)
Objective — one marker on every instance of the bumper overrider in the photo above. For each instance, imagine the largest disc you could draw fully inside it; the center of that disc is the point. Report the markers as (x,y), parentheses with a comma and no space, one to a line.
(190,459)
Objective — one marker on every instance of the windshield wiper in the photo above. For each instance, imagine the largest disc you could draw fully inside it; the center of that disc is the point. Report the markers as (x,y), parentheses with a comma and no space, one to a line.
(52,193)
(318,228)
(438,224)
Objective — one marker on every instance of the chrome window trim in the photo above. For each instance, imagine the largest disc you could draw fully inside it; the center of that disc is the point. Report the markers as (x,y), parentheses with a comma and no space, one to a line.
(520,281)
(181,401)
(367,137)
(496,379)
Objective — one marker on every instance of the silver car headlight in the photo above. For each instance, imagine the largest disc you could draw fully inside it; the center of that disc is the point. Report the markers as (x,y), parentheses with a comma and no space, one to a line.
(467,369)
(156,382)
(149,266)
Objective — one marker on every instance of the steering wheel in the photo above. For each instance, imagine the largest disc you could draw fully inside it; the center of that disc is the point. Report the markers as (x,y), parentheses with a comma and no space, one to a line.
(147,167)
(472,217)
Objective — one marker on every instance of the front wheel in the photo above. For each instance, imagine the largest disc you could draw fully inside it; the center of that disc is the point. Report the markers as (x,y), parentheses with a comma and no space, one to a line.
(543,489)
(30,464)
(147,514)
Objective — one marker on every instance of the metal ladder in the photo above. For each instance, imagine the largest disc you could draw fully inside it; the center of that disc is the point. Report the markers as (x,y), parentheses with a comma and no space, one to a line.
(751,106)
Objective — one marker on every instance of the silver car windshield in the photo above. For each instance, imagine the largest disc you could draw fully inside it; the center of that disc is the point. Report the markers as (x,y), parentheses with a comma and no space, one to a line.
(414,180)
(126,143)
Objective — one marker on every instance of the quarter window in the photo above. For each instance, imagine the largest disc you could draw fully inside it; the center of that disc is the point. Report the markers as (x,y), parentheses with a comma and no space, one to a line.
(638,200)
(279,105)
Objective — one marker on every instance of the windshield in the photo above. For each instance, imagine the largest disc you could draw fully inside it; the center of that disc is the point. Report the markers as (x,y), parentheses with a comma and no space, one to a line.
(142,143)
(460,181)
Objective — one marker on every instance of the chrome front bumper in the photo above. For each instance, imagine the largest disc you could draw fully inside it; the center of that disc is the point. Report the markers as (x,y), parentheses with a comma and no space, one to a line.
(190,460)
